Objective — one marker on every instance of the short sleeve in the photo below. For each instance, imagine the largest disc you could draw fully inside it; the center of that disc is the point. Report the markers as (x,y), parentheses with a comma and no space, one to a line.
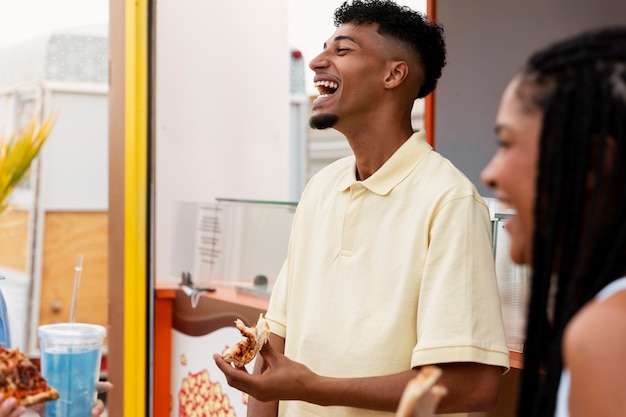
(459,318)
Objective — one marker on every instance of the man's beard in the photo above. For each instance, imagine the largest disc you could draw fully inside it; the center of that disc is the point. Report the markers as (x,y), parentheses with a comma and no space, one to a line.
(323,121)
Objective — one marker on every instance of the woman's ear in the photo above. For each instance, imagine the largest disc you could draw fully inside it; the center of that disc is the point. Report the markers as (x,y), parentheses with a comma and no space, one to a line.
(397,73)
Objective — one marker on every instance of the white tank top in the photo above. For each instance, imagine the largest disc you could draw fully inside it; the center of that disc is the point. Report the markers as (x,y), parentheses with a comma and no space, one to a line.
(564,385)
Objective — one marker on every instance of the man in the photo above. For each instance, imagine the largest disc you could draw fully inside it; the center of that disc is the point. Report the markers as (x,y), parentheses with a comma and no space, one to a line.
(390,265)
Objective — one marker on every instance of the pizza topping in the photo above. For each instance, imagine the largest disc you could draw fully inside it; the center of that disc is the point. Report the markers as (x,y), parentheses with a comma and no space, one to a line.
(21,379)
(254,339)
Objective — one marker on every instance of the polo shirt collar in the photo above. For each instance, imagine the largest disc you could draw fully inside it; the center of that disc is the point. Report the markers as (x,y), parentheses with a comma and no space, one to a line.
(394,170)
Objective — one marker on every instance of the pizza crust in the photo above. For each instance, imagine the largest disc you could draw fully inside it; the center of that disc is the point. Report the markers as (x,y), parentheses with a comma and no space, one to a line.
(40,397)
(246,349)
(422,394)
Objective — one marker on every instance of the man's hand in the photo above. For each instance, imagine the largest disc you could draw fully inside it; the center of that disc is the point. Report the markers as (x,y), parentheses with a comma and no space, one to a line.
(281,378)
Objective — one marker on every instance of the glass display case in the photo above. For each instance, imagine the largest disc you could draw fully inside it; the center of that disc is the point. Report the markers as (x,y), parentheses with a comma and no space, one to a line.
(240,243)
(513,280)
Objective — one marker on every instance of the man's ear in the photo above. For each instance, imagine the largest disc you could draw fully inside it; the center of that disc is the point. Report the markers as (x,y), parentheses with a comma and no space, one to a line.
(396,74)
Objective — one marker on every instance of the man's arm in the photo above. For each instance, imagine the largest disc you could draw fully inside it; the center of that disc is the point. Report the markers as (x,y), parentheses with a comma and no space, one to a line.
(471,386)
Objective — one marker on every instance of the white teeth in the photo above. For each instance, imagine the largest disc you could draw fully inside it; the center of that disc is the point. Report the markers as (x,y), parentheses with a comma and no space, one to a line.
(327,84)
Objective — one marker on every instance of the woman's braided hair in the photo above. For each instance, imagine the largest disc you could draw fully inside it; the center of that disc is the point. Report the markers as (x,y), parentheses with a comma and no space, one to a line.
(580,209)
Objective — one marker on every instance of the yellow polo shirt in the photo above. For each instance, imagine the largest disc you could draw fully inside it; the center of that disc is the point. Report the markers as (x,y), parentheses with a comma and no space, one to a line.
(389,273)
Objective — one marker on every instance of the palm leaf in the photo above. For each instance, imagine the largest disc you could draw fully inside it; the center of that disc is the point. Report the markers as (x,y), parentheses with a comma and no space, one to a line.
(17,153)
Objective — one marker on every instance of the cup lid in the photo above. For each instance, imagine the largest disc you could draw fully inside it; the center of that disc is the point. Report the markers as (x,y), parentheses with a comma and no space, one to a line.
(71,330)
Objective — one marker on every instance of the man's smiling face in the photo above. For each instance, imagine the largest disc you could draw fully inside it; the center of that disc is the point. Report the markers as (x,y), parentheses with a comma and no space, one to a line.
(348,75)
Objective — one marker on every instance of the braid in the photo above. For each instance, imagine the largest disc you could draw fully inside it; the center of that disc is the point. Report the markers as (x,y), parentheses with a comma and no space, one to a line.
(580,209)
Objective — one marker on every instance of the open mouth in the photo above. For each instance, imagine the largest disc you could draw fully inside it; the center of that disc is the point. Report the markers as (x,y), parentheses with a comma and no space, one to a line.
(326,88)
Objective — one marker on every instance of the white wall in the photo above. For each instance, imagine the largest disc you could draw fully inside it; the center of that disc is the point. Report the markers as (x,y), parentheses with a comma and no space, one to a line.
(222,107)
(75,159)
(488,41)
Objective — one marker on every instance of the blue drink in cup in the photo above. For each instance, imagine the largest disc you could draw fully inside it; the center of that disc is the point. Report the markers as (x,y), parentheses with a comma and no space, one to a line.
(70,362)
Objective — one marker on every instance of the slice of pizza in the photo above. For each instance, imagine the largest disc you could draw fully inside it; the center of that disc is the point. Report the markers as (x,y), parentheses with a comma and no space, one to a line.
(246,349)
(422,394)
(21,379)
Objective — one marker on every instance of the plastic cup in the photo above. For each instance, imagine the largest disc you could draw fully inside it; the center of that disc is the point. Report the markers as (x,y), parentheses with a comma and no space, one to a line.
(70,362)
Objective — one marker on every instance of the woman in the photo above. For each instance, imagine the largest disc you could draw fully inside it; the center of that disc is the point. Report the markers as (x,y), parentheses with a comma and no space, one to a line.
(561,164)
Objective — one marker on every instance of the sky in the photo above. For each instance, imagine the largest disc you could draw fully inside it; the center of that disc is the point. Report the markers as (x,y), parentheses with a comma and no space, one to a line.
(21,20)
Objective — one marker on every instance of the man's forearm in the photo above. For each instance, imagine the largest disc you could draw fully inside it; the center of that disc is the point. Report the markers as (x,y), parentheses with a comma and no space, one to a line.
(471,387)
(381,393)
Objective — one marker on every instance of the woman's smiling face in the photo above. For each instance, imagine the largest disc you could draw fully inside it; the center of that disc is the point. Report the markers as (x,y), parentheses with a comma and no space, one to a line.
(512,172)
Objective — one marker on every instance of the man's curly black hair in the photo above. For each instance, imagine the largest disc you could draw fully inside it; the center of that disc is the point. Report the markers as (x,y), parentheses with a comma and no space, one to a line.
(406,25)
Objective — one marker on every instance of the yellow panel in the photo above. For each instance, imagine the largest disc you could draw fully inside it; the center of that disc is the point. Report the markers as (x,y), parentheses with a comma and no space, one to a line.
(135,216)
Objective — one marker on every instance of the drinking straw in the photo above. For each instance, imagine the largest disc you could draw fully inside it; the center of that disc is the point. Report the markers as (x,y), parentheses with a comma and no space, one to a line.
(77,270)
